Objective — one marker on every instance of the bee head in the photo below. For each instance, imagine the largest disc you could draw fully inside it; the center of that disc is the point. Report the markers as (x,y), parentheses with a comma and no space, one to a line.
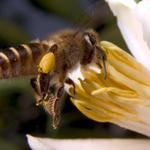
(90,37)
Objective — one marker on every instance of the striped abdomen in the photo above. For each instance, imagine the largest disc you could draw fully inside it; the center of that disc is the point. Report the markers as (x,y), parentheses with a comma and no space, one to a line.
(21,60)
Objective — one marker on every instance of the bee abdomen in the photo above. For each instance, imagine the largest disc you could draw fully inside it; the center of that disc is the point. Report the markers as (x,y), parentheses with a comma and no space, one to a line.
(21,60)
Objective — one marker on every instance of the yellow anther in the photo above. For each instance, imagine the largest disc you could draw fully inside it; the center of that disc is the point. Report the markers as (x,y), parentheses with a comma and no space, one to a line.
(47,63)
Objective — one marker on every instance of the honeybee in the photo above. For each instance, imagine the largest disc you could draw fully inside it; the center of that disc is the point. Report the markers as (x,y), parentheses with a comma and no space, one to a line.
(51,60)
(67,49)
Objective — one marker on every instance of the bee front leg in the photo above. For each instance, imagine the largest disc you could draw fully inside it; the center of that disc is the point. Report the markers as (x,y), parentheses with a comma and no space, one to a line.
(70,82)
(101,55)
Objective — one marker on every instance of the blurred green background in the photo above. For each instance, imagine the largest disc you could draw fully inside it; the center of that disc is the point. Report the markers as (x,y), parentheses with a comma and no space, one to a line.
(23,20)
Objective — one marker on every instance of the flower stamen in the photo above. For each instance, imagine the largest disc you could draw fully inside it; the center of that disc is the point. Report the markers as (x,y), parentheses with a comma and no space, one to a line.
(120,97)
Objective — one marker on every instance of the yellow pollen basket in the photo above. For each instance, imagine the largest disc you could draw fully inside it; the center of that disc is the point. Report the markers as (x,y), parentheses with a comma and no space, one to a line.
(47,63)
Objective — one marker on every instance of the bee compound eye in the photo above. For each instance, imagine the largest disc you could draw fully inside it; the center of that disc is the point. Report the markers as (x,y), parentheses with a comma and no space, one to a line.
(90,39)
(53,48)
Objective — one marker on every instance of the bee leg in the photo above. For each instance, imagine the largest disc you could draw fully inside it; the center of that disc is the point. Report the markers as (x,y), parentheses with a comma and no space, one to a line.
(101,55)
(44,82)
(57,107)
(35,86)
(99,65)
(36,89)
(53,106)
(70,82)
(41,86)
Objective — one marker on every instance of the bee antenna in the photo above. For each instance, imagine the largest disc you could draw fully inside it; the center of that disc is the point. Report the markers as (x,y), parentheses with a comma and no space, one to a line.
(104,65)
(104,58)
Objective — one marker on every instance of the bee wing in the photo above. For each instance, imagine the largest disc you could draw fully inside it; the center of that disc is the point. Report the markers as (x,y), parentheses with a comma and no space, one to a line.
(94,16)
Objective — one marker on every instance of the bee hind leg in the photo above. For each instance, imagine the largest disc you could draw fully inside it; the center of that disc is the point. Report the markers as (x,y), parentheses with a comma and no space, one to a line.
(57,107)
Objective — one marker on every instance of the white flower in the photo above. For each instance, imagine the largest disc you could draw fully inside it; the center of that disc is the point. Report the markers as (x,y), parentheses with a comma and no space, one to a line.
(134,23)
(87,144)
(124,97)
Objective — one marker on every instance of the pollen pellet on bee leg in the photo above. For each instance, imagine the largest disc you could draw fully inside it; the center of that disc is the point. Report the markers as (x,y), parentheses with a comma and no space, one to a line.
(47,63)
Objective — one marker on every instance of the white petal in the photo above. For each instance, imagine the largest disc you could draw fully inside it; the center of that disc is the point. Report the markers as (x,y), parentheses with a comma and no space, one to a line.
(75,73)
(131,29)
(87,144)
(143,15)
(143,126)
